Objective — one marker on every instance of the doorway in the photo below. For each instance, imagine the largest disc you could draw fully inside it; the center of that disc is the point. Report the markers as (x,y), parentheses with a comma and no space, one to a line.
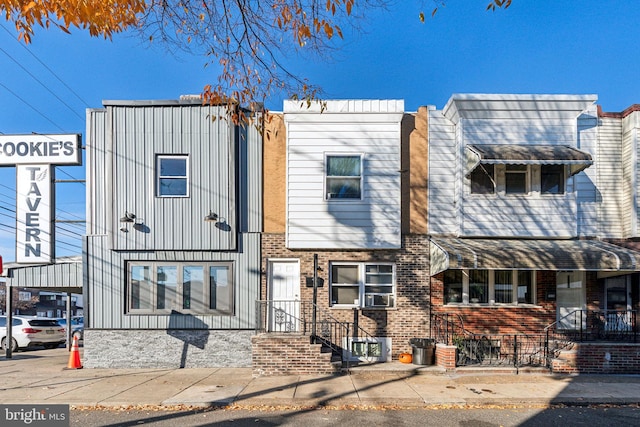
(617,303)
(284,295)
(570,300)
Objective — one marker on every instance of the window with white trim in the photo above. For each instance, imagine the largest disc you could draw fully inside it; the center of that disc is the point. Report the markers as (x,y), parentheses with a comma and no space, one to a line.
(516,179)
(552,179)
(186,287)
(172,175)
(513,179)
(343,176)
(489,287)
(483,180)
(370,285)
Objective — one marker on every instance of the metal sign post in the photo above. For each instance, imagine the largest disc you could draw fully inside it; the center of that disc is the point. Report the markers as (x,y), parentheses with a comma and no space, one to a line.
(9,337)
(315,296)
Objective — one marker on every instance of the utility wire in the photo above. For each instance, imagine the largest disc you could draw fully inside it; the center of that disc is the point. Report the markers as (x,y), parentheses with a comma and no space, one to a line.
(45,66)
(42,84)
(31,106)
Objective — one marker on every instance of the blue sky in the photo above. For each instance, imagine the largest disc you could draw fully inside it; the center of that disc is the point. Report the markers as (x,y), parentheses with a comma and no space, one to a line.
(577,47)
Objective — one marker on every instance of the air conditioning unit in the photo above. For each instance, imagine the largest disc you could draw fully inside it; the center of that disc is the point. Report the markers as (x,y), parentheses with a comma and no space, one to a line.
(378,300)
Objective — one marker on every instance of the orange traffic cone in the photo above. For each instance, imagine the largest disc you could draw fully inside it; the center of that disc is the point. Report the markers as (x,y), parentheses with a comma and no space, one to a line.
(74,356)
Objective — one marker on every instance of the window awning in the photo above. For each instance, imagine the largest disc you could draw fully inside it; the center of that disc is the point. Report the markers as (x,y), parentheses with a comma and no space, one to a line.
(526,155)
(587,255)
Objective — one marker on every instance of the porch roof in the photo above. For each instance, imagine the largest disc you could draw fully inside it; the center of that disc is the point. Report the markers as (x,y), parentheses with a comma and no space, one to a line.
(477,154)
(527,254)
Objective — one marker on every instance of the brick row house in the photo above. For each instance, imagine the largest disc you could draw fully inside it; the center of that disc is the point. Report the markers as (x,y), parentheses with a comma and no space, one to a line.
(525,194)
(345,196)
(349,227)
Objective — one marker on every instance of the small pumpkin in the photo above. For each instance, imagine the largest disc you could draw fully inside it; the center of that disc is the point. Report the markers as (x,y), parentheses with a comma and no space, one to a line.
(405,357)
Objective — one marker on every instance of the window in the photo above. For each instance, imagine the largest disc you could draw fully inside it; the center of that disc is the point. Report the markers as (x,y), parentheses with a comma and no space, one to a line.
(516,179)
(162,287)
(489,287)
(479,286)
(503,286)
(483,180)
(452,286)
(172,176)
(525,287)
(552,179)
(344,177)
(357,284)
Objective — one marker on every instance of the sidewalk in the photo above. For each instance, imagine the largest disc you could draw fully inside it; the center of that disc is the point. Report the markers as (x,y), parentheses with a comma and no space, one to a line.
(40,377)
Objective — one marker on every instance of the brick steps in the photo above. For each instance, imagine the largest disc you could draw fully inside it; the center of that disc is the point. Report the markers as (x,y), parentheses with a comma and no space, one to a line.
(291,354)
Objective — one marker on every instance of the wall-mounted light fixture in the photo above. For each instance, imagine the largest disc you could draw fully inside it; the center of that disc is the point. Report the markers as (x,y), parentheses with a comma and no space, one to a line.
(212,217)
(128,217)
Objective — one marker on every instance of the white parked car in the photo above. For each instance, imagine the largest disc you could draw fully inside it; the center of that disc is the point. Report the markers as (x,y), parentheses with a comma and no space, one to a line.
(32,331)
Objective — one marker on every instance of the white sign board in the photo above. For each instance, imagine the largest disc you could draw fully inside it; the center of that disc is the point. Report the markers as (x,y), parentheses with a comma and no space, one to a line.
(34,239)
(40,149)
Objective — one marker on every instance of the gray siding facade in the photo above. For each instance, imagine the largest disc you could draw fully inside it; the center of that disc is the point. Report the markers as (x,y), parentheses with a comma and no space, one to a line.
(224,175)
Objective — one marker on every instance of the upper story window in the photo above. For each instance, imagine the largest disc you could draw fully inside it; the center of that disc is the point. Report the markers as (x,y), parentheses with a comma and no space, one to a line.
(343,174)
(483,180)
(513,179)
(362,284)
(516,179)
(552,179)
(172,176)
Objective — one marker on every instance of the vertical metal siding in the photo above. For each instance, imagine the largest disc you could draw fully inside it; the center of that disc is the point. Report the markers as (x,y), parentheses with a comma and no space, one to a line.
(63,275)
(250,177)
(97,201)
(142,132)
(123,142)
(106,274)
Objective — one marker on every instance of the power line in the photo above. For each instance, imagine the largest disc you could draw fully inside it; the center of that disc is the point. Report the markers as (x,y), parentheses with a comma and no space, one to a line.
(31,106)
(42,84)
(46,67)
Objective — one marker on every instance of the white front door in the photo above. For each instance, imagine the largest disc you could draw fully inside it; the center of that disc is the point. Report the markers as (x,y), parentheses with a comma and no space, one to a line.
(570,299)
(617,299)
(284,293)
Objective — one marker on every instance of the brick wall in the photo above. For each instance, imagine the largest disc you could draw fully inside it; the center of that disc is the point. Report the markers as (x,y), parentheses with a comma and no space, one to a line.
(446,356)
(598,358)
(501,319)
(410,317)
(523,319)
(289,354)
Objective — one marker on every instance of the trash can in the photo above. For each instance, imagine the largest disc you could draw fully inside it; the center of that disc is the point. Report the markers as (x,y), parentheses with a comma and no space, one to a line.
(423,351)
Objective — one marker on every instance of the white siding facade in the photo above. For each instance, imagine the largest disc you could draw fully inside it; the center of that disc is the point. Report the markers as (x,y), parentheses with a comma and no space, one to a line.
(370,129)
(514,120)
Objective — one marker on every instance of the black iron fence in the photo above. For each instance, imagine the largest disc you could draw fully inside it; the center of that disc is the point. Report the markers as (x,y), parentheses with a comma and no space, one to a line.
(520,350)
(595,325)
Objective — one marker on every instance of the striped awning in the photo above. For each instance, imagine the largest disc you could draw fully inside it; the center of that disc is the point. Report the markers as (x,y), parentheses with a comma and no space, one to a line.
(522,254)
(478,154)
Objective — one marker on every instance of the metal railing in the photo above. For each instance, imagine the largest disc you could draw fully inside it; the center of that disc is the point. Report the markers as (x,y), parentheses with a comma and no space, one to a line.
(447,327)
(590,325)
(515,350)
(298,317)
(595,325)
